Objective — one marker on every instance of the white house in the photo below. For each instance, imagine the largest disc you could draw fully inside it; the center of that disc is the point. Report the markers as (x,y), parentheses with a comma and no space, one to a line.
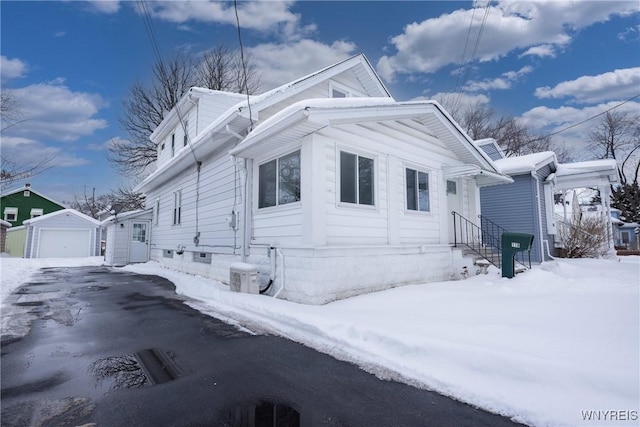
(65,233)
(127,237)
(327,184)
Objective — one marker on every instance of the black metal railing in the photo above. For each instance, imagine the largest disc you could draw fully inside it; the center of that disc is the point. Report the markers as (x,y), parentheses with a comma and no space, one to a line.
(484,239)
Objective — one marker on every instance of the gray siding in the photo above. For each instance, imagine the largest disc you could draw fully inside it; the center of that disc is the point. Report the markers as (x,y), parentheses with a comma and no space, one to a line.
(542,174)
(514,208)
(491,151)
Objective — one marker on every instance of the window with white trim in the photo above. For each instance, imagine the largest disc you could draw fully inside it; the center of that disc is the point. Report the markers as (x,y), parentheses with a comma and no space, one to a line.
(26,193)
(356,179)
(185,138)
(177,207)
(10,214)
(279,181)
(35,212)
(417,184)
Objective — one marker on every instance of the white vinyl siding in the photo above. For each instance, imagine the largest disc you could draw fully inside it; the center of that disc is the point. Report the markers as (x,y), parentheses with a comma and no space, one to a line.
(215,203)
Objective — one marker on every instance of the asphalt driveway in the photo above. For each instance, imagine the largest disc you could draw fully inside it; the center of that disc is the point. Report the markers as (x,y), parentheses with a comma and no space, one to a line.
(120,349)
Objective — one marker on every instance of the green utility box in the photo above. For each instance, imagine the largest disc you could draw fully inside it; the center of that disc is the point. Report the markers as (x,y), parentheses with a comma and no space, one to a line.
(513,243)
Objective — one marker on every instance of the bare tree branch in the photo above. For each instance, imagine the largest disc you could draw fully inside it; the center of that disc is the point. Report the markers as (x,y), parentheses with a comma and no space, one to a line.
(146,106)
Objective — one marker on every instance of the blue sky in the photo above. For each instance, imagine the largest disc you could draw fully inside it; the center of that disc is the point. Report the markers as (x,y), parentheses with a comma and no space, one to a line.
(551,63)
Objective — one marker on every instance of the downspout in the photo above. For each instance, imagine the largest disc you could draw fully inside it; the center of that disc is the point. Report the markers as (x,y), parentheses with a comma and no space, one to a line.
(281,273)
(538,205)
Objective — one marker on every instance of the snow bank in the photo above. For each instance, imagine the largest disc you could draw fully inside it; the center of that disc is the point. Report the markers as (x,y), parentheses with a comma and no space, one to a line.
(553,346)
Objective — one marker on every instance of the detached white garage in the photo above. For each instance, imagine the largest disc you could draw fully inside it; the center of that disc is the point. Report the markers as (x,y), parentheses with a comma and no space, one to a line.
(62,234)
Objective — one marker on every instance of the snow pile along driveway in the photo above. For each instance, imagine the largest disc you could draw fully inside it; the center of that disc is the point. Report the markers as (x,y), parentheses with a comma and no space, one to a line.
(558,345)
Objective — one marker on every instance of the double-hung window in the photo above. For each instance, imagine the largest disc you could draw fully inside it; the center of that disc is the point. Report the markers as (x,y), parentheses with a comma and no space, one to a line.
(279,181)
(11,214)
(356,179)
(185,138)
(177,207)
(417,190)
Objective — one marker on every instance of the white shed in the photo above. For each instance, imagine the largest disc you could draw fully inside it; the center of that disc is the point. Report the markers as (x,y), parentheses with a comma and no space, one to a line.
(128,237)
(62,234)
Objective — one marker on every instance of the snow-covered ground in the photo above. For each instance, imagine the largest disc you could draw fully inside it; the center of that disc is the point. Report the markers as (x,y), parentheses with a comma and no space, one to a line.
(557,345)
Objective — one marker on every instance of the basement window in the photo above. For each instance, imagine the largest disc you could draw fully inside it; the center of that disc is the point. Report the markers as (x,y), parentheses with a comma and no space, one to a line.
(203,257)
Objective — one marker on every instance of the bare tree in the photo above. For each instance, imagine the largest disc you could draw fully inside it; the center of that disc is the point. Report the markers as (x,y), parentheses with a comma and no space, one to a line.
(144,109)
(10,112)
(10,169)
(122,199)
(515,138)
(617,137)
(145,106)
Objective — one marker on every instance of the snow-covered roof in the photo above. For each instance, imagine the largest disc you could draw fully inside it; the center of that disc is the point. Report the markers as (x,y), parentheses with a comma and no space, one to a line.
(236,119)
(62,212)
(585,174)
(310,115)
(125,215)
(526,163)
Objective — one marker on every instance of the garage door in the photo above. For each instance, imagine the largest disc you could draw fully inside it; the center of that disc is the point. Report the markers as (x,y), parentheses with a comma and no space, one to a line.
(64,243)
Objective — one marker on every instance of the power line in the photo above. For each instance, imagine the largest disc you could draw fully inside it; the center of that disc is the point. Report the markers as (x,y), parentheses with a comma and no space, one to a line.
(244,65)
(585,120)
(473,54)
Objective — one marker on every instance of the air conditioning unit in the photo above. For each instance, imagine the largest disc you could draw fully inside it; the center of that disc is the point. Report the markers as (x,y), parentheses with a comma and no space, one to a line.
(244,278)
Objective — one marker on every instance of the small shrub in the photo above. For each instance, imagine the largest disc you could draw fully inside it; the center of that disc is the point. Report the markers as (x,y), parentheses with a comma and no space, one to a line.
(586,239)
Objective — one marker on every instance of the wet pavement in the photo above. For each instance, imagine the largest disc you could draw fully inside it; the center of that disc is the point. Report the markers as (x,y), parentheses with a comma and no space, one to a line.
(110,348)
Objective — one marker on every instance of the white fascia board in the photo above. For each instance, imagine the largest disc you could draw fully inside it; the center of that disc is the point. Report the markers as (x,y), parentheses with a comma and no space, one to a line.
(199,147)
(172,119)
(287,90)
(62,212)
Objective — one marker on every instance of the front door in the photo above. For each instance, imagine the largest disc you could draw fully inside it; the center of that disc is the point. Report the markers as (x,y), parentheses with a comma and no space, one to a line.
(139,243)
(453,204)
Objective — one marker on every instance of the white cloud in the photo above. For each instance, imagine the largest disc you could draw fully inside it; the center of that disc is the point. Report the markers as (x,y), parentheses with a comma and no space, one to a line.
(281,63)
(505,81)
(541,51)
(614,85)
(21,152)
(266,16)
(541,28)
(12,68)
(104,6)
(52,111)
(106,144)
(544,120)
(60,34)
